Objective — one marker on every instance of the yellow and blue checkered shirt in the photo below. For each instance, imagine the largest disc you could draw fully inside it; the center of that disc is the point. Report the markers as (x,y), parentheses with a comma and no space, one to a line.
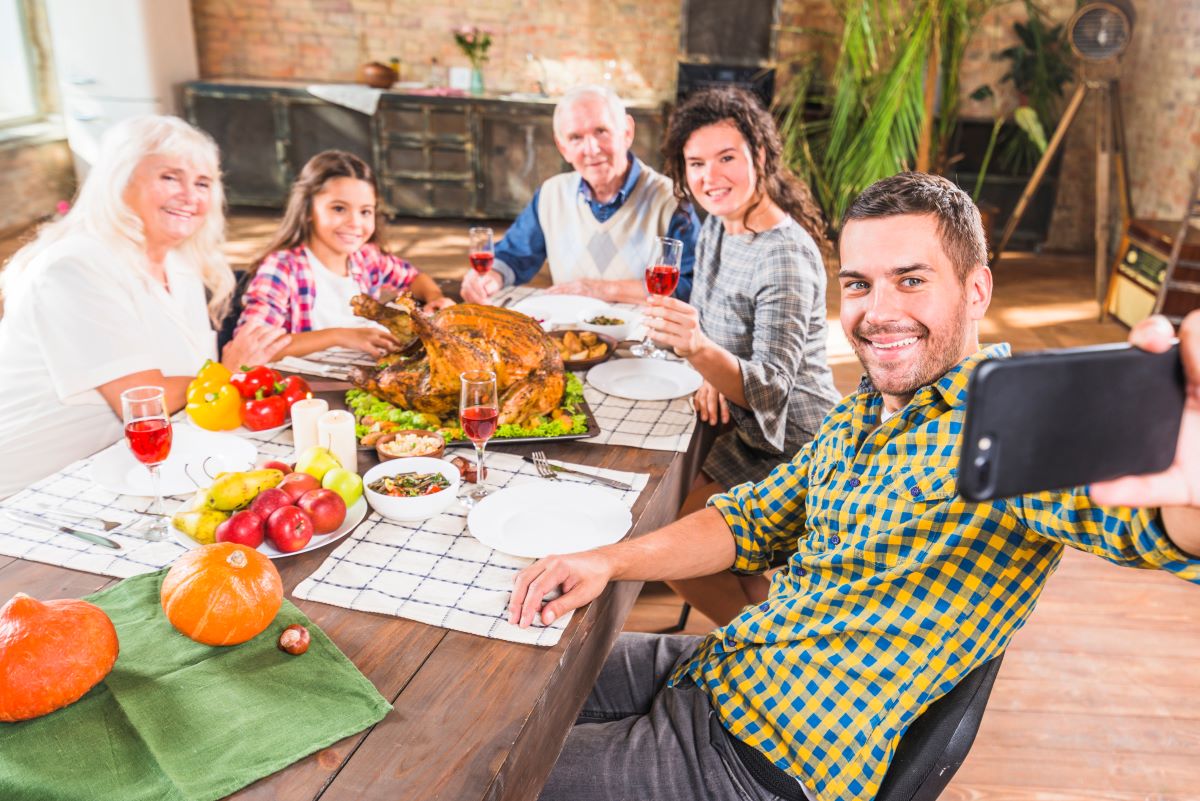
(895,588)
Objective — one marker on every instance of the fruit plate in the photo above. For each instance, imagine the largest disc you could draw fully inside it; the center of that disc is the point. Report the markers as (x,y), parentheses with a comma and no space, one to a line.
(354,515)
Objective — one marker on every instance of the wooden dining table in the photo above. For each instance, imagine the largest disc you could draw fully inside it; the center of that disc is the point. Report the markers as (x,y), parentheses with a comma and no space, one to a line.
(473,717)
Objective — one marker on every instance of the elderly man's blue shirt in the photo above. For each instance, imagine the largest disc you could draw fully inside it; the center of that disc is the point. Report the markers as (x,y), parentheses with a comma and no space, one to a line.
(523,249)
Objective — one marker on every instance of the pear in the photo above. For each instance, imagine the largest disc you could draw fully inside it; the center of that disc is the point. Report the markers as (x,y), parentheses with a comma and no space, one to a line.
(235,490)
(199,524)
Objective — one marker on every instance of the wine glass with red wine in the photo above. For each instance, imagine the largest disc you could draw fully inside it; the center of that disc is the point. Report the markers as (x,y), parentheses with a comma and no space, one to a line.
(662,276)
(148,433)
(482,251)
(479,414)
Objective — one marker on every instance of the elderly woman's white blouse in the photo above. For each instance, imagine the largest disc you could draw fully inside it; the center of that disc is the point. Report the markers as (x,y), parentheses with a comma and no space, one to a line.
(80,319)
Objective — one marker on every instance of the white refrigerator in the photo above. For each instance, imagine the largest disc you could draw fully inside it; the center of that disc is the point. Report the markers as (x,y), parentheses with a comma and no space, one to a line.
(116,59)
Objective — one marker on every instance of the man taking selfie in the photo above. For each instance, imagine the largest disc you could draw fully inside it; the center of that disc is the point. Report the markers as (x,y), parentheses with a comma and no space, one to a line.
(894,587)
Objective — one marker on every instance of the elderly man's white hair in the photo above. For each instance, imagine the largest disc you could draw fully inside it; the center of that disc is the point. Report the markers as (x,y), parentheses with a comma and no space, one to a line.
(616,108)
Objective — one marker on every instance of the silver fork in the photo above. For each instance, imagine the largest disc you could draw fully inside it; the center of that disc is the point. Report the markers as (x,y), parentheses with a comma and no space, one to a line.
(542,466)
(128,528)
(107,525)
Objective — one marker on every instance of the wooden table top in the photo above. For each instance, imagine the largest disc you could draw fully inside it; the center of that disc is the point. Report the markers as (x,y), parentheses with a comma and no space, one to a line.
(473,718)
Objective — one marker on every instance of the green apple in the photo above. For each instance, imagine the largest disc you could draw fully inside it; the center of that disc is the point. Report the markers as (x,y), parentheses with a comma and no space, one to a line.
(344,482)
(317,461)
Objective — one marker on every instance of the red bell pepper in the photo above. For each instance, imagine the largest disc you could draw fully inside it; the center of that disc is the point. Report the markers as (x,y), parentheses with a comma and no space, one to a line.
(292,389)
(253,379)
(264,411)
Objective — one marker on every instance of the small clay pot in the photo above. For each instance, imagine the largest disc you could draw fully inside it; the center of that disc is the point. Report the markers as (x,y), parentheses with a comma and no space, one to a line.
(378,75)
(436,443)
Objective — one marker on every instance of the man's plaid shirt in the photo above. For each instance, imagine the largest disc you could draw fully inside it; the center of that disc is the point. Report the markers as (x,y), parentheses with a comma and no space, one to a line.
(895,588)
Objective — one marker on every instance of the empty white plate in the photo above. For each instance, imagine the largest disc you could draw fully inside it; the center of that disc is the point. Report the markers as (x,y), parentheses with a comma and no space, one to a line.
(645,379)
(202,453)
(539,518)
(555,310)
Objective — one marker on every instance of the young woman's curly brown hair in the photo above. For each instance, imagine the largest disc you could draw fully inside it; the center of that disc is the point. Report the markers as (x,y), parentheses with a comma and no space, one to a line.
(757,127)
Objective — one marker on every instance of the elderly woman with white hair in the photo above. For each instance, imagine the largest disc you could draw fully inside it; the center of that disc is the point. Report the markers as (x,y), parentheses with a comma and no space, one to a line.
(597,226)
(124,291)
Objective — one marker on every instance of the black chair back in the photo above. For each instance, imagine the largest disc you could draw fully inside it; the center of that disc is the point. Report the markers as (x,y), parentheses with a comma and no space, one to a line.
(937,742)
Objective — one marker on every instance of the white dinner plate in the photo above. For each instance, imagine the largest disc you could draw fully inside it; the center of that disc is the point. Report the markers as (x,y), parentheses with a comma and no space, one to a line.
(354,516)
(541,517)
(555,310)
(645,379)
(202,453)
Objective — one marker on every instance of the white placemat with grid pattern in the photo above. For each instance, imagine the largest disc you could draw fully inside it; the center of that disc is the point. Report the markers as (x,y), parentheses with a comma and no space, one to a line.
(435,572)
(72,490)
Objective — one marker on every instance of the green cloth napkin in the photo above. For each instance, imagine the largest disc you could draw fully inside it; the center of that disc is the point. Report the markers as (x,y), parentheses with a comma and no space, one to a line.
(179,721)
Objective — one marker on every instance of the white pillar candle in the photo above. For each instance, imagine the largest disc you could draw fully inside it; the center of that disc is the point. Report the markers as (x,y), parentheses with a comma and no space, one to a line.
(304,422)
(335,431)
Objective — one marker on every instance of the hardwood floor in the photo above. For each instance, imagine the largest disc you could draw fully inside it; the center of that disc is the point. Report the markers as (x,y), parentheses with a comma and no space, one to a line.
(1099,695)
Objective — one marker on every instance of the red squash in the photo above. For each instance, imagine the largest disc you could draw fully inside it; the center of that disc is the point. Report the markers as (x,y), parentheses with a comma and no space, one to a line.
(51,654)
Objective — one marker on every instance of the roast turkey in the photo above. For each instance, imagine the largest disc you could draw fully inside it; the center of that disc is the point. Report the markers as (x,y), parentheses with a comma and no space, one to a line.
(529,370)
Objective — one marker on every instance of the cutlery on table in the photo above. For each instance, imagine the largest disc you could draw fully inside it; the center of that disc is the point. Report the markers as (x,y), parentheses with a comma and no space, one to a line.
(30,519)
(107,525)
(551,471)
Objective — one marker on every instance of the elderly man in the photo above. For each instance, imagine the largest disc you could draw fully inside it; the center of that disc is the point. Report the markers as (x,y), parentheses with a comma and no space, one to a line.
(895,588)
(597,226)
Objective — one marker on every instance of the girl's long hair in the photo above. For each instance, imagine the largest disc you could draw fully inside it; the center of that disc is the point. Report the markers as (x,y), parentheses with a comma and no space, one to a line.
(100,210)
(296,227)
(775,180)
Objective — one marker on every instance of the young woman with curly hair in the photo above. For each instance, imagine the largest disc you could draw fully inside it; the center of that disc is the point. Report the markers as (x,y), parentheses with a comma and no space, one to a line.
(755,327)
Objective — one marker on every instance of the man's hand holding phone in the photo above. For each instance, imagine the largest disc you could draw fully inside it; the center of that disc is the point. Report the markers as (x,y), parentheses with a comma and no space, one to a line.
(1176,490)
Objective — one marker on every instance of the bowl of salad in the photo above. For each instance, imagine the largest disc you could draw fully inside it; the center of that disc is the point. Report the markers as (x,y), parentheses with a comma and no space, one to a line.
(414,488)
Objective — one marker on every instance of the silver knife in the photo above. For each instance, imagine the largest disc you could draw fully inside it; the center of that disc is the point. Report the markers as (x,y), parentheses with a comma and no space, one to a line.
(608,482)
(30,519)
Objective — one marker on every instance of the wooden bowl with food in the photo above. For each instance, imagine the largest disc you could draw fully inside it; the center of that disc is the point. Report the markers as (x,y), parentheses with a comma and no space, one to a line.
(581,350)
(410,442)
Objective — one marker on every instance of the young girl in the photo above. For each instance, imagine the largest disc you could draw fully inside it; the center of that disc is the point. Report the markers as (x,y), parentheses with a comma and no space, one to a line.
(755,327)
(327,250)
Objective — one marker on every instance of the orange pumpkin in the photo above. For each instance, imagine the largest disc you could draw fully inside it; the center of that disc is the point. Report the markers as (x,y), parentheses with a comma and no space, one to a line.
(51,654)
(222,594)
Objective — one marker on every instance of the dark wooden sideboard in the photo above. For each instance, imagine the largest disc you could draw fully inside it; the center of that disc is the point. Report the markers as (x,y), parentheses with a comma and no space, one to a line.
(474,157)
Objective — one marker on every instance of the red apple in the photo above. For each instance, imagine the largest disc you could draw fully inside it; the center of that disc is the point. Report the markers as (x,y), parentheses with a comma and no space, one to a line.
(269,500)
(244,528)
(289,529)
(296,484)
(275,464)
(325,507)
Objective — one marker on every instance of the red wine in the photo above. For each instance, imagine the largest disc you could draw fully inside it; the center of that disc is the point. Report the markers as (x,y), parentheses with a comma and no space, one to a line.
(150,440)
(661,279)
(482,262)
(479,422)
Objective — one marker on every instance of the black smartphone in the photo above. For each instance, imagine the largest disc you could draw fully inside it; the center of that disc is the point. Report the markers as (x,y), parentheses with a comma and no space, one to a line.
(1065,418)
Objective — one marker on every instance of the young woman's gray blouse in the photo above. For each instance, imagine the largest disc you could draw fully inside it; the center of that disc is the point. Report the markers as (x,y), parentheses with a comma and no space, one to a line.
(762,298)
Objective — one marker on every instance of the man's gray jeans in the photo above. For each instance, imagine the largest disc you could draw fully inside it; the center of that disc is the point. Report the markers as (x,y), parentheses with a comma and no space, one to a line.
(638,740)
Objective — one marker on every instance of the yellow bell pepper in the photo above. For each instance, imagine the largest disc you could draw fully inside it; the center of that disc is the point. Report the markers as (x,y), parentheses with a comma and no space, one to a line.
(218,410)
(212,376)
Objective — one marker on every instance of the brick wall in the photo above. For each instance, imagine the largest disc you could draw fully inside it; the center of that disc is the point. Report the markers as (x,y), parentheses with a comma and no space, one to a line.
(40,175)
(329,39)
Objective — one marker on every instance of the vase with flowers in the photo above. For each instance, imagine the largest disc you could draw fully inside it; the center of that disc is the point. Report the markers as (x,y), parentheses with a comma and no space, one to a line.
(474,42)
